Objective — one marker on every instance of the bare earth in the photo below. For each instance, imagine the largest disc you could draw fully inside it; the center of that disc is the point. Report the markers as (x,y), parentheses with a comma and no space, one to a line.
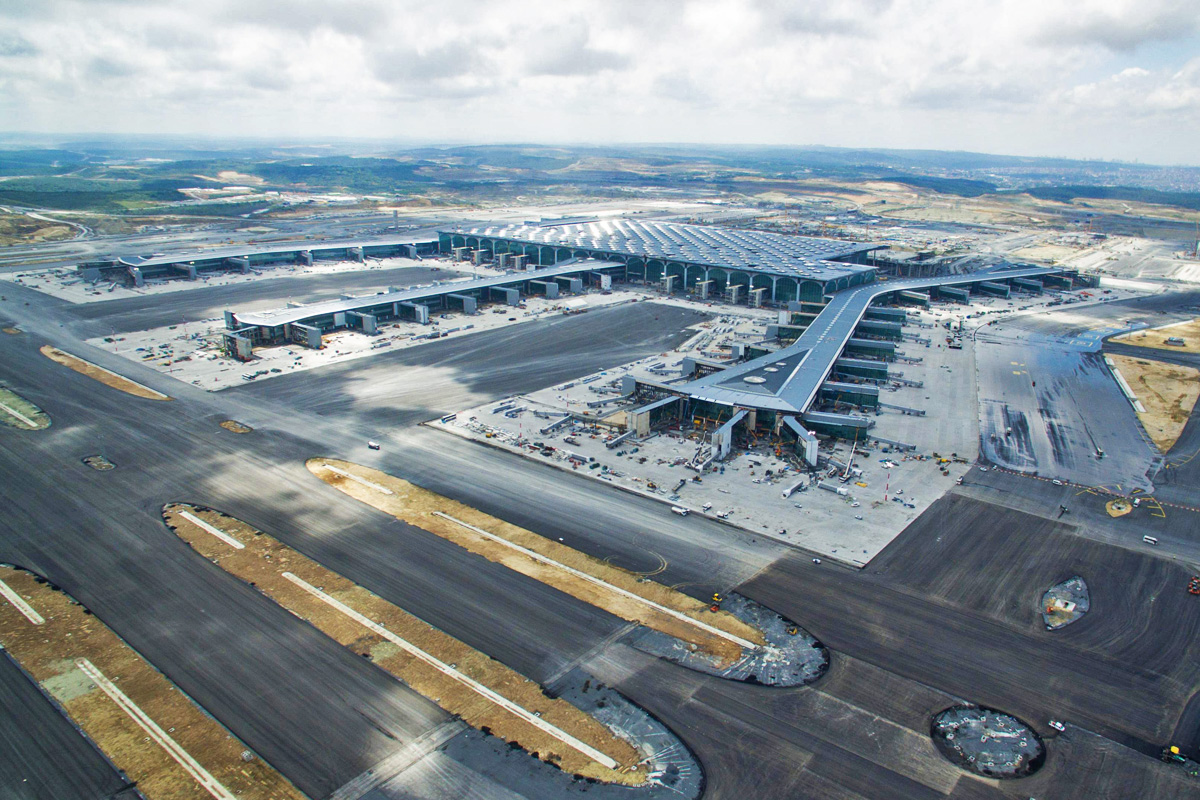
(264,562)
(1168,393)
(50,652)
(1156,339)
(106,377)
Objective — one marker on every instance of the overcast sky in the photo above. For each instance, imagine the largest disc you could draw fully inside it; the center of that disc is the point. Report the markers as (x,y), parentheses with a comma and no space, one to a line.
(1079,78)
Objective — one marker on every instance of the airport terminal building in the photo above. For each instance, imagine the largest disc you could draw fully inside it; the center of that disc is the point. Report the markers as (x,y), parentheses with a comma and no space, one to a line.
(738,266)
(838,325)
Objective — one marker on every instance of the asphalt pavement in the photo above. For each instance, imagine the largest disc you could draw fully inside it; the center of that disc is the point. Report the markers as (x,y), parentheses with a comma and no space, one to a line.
(1049,405)
(946,613)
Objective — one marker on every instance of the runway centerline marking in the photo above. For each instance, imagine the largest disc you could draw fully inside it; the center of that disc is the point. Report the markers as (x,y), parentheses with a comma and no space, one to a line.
(358,480)
(744,643)
(19,415)
(20,604)
(446,669)
(185,760)
(215,531)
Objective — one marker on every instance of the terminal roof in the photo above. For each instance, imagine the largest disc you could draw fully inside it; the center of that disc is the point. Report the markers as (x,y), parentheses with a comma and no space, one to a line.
(706,245)
(788,379)
(284,316)
(274,248)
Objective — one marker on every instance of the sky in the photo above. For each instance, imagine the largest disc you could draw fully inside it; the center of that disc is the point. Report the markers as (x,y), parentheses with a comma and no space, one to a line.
(1112,79)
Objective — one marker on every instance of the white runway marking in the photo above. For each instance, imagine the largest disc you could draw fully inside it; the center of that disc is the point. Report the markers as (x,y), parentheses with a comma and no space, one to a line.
(446,669)
(19,415)
(618,590)
(356,479)
(217,532)
(20,604)
(193,767)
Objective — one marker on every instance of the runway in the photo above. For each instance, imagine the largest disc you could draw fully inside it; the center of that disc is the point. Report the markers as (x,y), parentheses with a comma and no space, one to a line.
(947,613)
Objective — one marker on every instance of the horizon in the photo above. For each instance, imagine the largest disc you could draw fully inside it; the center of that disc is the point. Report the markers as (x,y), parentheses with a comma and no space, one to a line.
(1095,81)
(51,140)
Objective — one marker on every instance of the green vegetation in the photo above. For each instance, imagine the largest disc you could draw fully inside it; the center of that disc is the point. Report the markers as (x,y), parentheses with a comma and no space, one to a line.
(1066,194)
(120,178)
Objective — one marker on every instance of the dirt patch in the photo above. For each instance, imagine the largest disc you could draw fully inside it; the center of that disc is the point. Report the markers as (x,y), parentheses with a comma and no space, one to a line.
(1157,338)
(98,463)
(50,652)
(263,561)
(611,590)
(12,331)
(236,427)
(17,412)
(111,379)
(21,229)
(1168,393)
(239,177)
(1118,507)
(1044,253)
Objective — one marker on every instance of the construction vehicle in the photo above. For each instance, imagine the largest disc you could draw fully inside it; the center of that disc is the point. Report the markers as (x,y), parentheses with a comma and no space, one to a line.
(1172,755)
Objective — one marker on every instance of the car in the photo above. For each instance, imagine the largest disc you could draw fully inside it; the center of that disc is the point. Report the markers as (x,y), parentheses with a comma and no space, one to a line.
(1057,482)
(983,469)
(1058,726)
(373,445)
(816,561)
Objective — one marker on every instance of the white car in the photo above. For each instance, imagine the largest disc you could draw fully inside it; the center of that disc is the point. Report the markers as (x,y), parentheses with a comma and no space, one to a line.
(373,445)
(983,469)
(1057,482)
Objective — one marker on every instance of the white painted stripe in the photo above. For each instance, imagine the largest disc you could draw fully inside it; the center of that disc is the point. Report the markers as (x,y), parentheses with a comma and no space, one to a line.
(446,669)
(217,532)
(617,589)
(19,415)
(20,604)
(193,767)
(356,479)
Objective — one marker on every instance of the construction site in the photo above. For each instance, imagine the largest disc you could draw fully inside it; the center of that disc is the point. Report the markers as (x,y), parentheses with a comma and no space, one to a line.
(897,433)
(549,508)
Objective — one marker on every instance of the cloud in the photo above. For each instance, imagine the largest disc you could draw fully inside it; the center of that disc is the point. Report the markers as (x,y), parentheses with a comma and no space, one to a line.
(14,45)
(105,67)
(567,51)
(406,64)
(932,73)
(1124,26)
